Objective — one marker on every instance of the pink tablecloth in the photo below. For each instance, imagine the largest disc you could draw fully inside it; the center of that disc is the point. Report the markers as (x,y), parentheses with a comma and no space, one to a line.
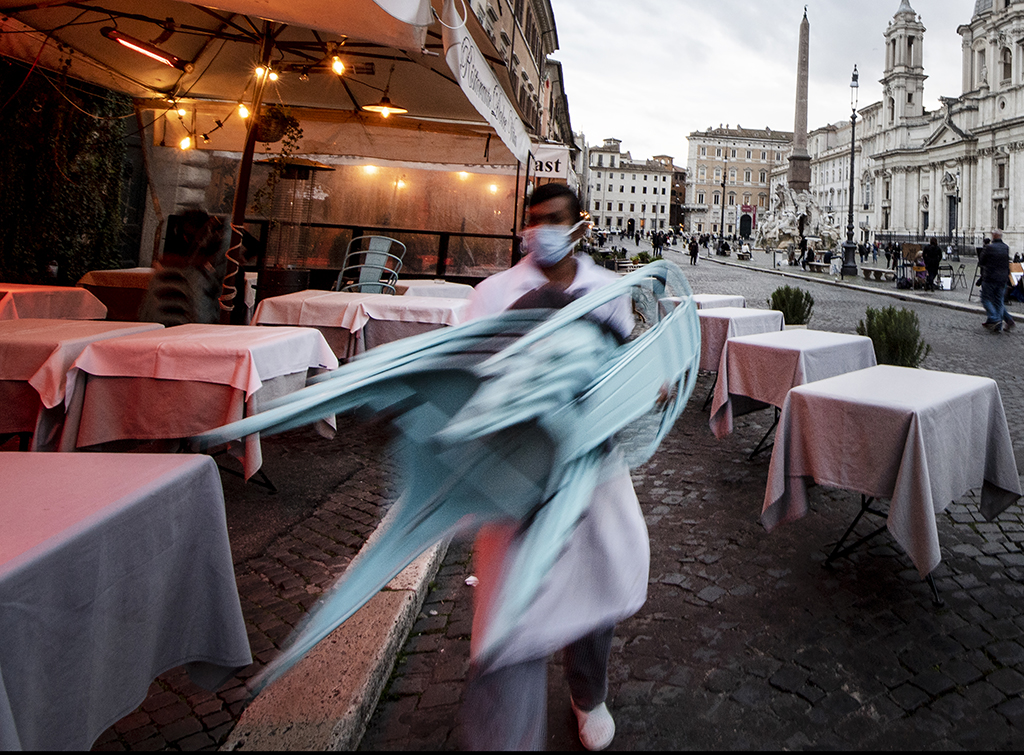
(20,301)
(917,437)
(718,324)
(113,569)
(35,356)
(711,301)
(183,380)
(342,316)
(764,367)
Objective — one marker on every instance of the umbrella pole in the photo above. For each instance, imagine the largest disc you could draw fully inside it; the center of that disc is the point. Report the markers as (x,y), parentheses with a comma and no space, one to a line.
(233,291)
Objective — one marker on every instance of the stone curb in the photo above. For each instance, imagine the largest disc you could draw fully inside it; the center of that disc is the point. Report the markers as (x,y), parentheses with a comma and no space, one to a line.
(325,702)
(864,289)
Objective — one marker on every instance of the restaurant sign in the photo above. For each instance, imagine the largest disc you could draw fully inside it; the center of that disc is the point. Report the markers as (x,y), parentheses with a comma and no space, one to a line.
(551,161)
(479,83)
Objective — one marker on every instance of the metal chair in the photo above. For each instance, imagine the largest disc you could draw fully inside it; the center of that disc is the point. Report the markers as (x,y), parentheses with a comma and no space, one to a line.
(371,266)
(958,277)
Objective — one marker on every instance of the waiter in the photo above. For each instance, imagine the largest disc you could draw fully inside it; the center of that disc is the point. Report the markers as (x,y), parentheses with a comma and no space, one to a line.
(600,578)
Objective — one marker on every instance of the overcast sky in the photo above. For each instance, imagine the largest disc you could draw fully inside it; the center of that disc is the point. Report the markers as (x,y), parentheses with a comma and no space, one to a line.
(649,72)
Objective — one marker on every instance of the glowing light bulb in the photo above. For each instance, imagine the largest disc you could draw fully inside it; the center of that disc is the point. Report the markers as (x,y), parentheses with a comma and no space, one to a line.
(463,175)
(493,188)
(369,169)
(260,70)
(243,111)
(182,112)
(185,143)
(337,65)
(384,112)
(400,183)
(274,76)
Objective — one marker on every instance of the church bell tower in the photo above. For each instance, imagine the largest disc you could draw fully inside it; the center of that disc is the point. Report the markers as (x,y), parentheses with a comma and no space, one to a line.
(904,66)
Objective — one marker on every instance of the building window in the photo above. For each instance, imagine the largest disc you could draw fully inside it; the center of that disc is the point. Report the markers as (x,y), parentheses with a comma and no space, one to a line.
(600,160)
(1000,178)
(718,174)
(732,199)
(718,151)
(618,221)
(764,157)
(598,188)
(632,208)
(778,156)
(598,174)
(716,199)
(762,200)
(1007,65)
(732,154)
(609,207)
(732,176)
(611,160)
(703,151)
(749,154)
(702,173)
(622,189)
(763,176)
(597,206)
(632,190)
(645,190)
(747,175)
(620,206)
(700,197)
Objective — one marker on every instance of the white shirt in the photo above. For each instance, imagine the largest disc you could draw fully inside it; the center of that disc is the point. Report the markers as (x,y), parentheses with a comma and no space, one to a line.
(500,291)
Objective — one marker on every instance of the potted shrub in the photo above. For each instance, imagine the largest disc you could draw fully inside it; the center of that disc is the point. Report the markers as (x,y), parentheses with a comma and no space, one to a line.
(795,304)
(896,336)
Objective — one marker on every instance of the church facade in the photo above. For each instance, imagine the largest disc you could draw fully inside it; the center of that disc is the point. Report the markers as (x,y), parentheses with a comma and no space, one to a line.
(956,173)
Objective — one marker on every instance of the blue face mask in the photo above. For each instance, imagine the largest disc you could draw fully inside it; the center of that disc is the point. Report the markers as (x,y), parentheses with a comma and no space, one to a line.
(549,244)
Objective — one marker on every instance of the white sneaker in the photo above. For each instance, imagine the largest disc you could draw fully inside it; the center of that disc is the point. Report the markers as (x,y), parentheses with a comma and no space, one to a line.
(597,727)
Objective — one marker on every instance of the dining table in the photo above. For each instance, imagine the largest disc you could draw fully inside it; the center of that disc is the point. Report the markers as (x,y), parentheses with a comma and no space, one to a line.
(22,300)
(437,288)
(177,382)
(711,301)
(35,357)
(758,370)
(354,322)
(114,568)
(719,324)
(918,438)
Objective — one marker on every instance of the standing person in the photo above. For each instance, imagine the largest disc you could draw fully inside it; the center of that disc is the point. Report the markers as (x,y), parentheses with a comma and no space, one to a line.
(874,253)
(600,578)
(995,273)
(932,254)
(694,249)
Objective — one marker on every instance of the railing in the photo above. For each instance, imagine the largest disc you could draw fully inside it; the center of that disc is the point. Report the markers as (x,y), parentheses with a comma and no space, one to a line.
(441,254)
(962,244)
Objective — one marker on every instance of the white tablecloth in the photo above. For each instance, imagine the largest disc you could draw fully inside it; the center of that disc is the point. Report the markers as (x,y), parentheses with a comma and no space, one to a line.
(764,367)
(719,324)
(35,355)
(180,381)
(439,289)
(342,316)
(113,569)
(19,301)
(917,437)
(710,301)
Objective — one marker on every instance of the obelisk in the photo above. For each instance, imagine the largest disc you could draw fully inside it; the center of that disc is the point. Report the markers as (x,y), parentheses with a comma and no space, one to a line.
(799,175)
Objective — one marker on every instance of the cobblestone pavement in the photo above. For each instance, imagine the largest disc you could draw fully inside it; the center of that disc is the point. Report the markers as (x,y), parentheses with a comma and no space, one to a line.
(287,547)
(746,641)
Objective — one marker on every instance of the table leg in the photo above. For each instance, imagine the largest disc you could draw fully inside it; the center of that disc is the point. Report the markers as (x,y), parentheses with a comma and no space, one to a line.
(760,444)
(711,394)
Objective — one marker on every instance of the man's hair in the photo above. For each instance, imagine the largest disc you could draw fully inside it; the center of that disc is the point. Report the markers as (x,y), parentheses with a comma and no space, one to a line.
(997,234)
(554,191)
(933,241)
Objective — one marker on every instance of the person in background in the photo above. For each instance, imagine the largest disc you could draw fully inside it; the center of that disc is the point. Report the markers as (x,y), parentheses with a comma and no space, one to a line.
(994,261)
(601,576)
(932,254)
(694,250)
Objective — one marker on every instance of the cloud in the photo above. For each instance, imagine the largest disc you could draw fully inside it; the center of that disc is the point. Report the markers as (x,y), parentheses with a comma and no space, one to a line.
(651,71)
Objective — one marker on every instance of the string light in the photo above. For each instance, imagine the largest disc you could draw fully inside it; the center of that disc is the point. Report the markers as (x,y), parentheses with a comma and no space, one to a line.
(463,175)
(243,111)
(182,112)
(186,143)
(337,65)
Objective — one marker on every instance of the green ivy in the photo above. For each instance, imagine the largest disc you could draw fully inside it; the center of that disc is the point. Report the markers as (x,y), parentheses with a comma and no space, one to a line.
(896,336)
(63,176)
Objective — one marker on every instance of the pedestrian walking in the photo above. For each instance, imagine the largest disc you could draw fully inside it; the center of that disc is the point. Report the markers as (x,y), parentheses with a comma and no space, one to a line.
(995,273)
(694,249)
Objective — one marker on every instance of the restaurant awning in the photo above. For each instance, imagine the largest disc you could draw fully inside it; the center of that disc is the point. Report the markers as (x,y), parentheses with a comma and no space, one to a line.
(391,47)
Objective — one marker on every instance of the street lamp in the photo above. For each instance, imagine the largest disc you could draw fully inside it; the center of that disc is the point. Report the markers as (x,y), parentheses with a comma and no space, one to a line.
(850,248)
(721,227)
